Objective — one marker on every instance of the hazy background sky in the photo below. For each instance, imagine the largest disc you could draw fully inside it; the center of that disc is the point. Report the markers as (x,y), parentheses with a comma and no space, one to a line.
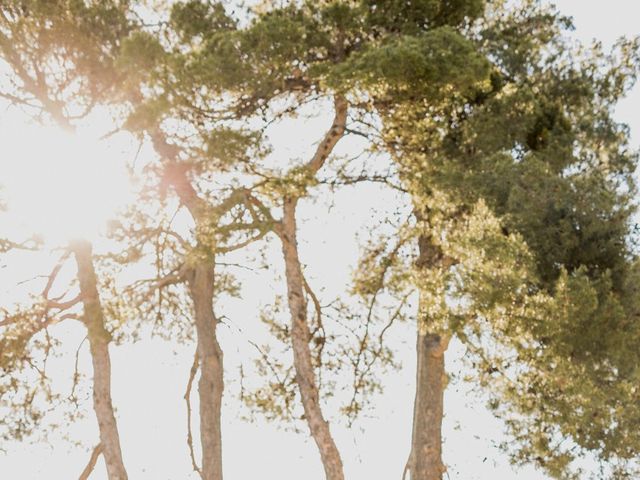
(149,377)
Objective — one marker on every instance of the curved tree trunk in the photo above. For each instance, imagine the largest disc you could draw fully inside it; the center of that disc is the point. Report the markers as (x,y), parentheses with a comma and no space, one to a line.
(99,339)
(300,337)
(211,384)
(300,333)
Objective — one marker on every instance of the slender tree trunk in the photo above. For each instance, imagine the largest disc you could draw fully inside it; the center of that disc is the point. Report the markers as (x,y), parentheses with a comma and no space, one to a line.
(201,281)
(211,384)
(300,337)
(425,459)
(300,334)
(99,339)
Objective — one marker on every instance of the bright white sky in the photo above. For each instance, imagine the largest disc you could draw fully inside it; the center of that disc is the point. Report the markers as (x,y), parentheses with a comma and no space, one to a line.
(149,377)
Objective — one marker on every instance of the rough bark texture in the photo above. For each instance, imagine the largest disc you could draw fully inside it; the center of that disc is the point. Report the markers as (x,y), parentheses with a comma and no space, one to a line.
(201,279)
(425,459)
(425,462)
(300,336)
(99,339)
(300,333)
(210,384)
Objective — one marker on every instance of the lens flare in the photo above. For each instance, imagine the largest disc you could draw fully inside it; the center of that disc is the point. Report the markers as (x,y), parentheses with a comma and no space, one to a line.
(61,185)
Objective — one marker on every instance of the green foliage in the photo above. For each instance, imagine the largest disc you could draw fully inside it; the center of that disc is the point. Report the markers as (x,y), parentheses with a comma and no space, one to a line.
(503,138)
(226,147)
(538,289)
(75,40)
(147,115)
(559,363)
(197,19)
(26,387)
(417,16)
(429,65)
(140,52)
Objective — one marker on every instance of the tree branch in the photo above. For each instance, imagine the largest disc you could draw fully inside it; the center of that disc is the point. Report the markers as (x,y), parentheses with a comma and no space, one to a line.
(187,398)
(92,462)
(335,133)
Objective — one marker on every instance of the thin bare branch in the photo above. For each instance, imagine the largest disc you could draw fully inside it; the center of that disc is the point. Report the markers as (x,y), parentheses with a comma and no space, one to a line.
(187,398)
(64,305)
(54,273)
(76,373)
(93,459)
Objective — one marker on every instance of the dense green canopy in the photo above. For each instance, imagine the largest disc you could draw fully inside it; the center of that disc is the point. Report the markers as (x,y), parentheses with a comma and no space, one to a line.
(502,136)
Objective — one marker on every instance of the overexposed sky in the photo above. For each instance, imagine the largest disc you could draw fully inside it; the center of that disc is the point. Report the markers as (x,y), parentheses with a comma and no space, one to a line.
(149,377)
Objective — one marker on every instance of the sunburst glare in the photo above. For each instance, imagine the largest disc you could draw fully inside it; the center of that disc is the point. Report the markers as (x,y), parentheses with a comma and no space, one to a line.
(59,184)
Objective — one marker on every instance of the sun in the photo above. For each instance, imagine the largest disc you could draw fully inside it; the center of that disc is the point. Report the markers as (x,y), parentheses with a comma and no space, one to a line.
(60,185)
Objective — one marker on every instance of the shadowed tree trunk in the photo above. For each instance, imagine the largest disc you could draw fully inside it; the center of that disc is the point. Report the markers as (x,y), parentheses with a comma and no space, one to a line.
(425,459)
(300,334)
(99,339)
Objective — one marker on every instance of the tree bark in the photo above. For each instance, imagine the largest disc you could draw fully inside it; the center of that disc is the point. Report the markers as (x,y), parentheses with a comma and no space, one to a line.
(425,459)
(86,473)
(300,337)
(201,280)
(99,339)
(300,333)
(211,384)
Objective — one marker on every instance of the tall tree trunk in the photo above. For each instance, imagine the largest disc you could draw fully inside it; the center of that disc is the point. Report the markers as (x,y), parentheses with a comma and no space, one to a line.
(300,333)
(99,339)
(425,459)
(211,384)
(201,281)
(300,337)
